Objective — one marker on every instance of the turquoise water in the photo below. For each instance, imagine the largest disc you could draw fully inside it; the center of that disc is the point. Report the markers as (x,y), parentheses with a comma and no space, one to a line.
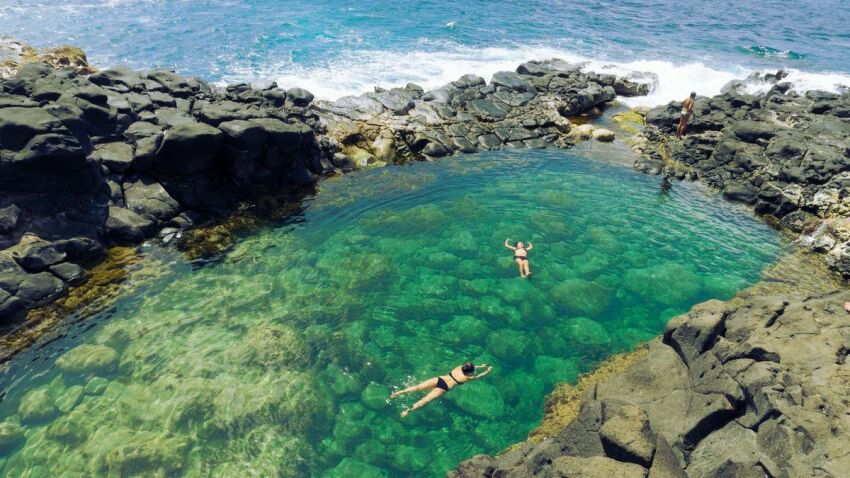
(277,357)
(336,47)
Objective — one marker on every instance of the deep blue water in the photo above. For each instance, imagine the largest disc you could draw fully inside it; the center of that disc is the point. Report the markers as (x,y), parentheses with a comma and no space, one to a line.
(343,47)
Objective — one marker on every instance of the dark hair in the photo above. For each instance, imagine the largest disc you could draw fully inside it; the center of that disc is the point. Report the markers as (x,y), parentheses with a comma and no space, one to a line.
(467,368)
(693,94)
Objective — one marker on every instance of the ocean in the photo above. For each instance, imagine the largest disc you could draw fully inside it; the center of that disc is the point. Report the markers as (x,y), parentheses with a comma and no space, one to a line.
(337,48)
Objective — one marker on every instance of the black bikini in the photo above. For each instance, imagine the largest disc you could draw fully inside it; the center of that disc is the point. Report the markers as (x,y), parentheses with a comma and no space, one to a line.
(524,258)
(442,383)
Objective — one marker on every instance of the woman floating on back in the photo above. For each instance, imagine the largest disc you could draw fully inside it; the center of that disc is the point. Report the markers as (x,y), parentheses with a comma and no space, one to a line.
(437,386)
(521,256)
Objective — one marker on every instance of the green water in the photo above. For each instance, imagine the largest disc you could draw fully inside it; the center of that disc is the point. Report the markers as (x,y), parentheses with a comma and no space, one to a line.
(276,359)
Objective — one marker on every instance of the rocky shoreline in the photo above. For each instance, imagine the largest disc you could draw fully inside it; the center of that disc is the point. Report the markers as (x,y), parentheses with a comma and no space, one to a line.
(755,387)
(785,154)
(92,160)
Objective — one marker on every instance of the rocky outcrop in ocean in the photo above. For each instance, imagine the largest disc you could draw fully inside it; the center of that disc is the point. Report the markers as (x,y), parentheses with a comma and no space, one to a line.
(784,153)
(754,387)
(118,156)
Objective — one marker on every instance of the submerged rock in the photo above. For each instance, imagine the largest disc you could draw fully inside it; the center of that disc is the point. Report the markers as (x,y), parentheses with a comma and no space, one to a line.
(37,405)
(84,359)
(580,297)
(11,435)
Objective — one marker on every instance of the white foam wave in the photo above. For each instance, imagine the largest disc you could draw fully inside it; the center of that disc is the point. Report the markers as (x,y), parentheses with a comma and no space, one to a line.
(356,72)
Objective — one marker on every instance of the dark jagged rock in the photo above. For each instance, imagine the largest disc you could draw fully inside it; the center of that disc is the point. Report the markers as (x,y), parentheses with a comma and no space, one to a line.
(68,272)
(9,218)
(188,148)
(781,152)
(39,289)
(673,413)
(125,226)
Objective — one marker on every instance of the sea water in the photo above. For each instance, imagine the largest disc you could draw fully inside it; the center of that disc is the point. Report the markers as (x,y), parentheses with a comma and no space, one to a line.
(341,47)
(277,357)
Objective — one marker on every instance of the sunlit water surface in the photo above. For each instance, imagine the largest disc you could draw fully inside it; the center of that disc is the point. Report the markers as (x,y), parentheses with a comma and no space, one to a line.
(277,358)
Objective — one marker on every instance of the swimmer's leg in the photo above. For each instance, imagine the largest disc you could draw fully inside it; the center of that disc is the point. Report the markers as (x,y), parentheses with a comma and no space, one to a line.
(432,395)
(519,264)
(426,385)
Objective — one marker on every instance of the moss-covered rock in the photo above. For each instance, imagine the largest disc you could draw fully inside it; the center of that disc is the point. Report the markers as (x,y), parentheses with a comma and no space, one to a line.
(581,297)
(275,397)
(465,330)
(409,458)
(265,451)
(584,332)
(553,369)
(269,345)
(479,399)
(88,358)
(508,344)
(371,451)
(127,452)
(73,428)
(375,396)
(96,386)
(340,381)
(11,435)
(669,283)
(68,400)
(350,468)
(37,405)
(350,432)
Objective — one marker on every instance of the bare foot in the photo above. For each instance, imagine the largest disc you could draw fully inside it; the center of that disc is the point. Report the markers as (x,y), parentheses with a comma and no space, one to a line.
(394,394)
(404,413)
(847,307)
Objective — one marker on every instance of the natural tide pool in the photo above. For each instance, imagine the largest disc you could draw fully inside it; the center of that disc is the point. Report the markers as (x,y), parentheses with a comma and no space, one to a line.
(276,358)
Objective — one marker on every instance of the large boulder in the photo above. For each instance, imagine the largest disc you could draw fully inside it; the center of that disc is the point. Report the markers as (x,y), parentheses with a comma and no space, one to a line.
(89,359)
(38,255)
(117,156)
(19,125)
(37,405)
(39,289)
(626,87)
(148,199)
(751,131)
(512,81)
(581,298)
(188,148)
(125,226)
(245,143)
(9,218)
(119,79)
(12,308)
(298,97)
(627,436)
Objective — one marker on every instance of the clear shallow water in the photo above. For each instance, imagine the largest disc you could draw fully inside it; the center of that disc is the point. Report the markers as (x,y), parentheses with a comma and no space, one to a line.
(341,47)
(277,358)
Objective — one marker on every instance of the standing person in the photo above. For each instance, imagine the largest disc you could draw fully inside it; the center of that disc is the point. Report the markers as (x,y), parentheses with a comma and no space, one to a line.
(437,386)
(521,256)
(687,112)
